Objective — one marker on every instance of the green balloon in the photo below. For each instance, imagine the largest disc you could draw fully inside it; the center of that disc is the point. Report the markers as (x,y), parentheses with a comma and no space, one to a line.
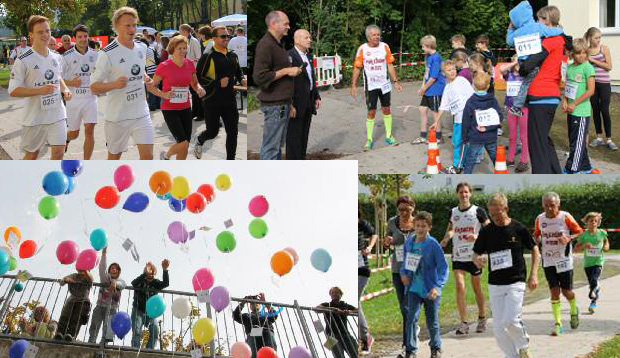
(48,207)
(258,228)
(12,264)
(226,241)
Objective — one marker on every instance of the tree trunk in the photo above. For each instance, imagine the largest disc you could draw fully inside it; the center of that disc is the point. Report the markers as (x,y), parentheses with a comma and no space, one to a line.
(402,34)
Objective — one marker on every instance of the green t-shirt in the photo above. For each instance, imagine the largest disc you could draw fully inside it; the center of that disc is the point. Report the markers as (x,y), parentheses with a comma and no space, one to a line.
(578,76)
(593,257)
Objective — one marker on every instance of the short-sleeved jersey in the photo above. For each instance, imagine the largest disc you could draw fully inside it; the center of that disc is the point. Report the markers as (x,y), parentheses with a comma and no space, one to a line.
(82,66)
(374,61)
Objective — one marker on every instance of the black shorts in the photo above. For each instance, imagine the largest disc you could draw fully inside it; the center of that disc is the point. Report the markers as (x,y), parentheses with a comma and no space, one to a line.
(180,123)
(467,267)
(431,102)
(562,280)
(374,95)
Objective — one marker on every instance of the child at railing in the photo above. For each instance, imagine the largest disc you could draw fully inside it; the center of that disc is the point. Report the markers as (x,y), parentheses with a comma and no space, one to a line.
(145,286)
(255,320)
(109,297)
(40,326)
(76,311)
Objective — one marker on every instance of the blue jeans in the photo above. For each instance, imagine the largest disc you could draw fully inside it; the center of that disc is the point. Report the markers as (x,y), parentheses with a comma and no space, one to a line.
(519,100)
(399,288)
(431,310)
(139,320)
(274,131)
(472,151)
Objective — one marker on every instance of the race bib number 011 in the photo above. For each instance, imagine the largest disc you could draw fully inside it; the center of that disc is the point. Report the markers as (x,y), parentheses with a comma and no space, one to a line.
(570,90)
(501,260)
(528,45)
(487,117)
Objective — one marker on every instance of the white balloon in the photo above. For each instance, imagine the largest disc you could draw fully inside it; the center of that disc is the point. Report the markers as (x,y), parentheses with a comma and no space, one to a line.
(181,308)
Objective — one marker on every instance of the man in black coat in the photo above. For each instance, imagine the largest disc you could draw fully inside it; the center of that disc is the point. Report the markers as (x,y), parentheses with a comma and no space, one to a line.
(306,99)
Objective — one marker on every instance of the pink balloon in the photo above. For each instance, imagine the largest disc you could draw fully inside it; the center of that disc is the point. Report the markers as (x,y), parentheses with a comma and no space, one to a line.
(87,260)
(123,177)
(259,206)
(240,350)
(299,352)
(67,252)
(203,279)
(293,253)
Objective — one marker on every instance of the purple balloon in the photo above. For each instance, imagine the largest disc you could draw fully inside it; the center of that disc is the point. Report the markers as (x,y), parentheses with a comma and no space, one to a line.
(177,232)
(299,352)
(220,298)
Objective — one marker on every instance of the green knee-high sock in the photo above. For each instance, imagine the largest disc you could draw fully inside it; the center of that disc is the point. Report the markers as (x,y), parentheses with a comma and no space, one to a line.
(573,306)
(387,119)
(555,308)
(370,125)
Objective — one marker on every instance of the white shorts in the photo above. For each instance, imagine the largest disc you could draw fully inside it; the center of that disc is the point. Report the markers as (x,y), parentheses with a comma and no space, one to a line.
(117,133)
(79,111)
(35,137)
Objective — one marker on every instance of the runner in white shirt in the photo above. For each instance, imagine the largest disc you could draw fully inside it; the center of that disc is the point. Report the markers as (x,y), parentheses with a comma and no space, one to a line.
(19,50)
(36,76)
(79,65)
(120,72)
(239,44)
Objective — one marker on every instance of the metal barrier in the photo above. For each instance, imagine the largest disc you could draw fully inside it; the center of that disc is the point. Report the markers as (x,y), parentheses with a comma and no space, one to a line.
(327,70)
(287,325)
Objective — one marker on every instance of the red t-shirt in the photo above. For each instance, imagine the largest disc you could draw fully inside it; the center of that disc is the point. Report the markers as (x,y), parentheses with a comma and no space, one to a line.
(547,82)
(178,77)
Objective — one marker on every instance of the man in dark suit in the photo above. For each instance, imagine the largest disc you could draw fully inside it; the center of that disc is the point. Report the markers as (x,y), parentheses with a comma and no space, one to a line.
(306,99)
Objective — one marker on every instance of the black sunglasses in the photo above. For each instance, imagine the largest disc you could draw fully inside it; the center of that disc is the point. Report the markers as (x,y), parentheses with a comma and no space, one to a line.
(224,36)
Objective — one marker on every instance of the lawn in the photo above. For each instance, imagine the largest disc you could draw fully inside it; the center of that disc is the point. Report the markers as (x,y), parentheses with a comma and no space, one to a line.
(4,78)
(609,349)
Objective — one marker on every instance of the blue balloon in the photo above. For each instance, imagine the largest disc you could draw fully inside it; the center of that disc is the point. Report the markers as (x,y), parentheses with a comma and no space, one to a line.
(18,348)
(136,202)
(71,186)
(176,205)
(321,260)
(4,269)
(55,183)
(19,287)
(155,306)
(71,168)
(5,258)
(121,324)
(164,197)
(98,239)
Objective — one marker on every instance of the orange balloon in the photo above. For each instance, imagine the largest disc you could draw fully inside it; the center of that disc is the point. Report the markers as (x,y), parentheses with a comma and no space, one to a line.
(160,182)
(27,249)
(12,236)
(282,262)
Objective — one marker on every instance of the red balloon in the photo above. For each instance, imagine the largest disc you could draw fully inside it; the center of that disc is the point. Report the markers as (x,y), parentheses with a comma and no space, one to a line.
(107,197)
(266,352)
(196,203)
(27,249)
(207,191)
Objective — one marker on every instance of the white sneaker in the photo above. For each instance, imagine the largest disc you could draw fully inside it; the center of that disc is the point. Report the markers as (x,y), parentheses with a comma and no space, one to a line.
(197,150)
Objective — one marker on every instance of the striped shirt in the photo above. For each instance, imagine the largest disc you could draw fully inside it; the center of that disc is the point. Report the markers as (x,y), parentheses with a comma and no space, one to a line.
(600,74)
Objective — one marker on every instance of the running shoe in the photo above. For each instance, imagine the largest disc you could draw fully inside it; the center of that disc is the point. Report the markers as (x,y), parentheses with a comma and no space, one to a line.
(557,330)
(522,167)
(462,329)
(390,140)
(369,144)
(482,325)
(592,307)
(597,142)
(418,140)
(574,320)
(611,145)
(435,353)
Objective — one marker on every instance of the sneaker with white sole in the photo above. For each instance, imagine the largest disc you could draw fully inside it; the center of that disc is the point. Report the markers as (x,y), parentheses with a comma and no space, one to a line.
(462,329)
(598,141)
(611,145)
(482,325)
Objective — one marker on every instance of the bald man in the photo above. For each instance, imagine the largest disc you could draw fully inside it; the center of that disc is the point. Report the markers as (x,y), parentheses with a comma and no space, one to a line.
(51,44)
(306,98)
(275,75)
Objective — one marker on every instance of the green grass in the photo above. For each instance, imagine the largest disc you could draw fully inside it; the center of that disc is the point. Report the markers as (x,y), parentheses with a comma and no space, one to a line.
(609,349)
(4,78)
(253,103)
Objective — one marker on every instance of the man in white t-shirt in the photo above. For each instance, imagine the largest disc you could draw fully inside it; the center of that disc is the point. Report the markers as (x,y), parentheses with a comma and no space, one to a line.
(120,72)
(79,65)
(239,44)
(193,53)
(19,50)
(36,76)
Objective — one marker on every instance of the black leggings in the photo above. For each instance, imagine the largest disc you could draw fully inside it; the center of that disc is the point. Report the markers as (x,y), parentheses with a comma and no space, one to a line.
(600,105)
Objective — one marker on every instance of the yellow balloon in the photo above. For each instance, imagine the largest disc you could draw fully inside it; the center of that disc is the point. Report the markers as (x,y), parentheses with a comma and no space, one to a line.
(222,182)
(203,331)
(180,188)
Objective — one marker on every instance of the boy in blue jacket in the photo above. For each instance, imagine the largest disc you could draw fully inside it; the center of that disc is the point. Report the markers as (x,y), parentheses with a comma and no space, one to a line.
(424,273)
(522,24)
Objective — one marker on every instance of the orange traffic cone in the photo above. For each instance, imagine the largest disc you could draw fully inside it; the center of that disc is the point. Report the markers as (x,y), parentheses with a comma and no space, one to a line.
(433,147)
(431,166)
(500,161)
(595,171)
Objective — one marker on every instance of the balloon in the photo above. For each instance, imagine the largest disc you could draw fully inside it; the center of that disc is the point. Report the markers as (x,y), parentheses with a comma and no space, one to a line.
(12,263)
(67,252)
(222,182)
(160,182)
(258,228)
(177,205)
(27,249)
(136,202)
(293,253)
(220,298)
(87,260)
(266,352)
(225,241)
(155,306)
(6,250)
(203,279)
(18,348)
(282,262)
(177,232)
(299,352)
(72,183)
(181,308)
(321,260)
(121,324)
(12,236)
(240,350)
(123,177)
(107,197)
(207,191)
(196,203)
(259,206)
(5,259)
(180,188)
(19,287)
(4,269)
(55,183)
(48,207)
(203,331)
(98,239)
(71,168)
(164,197)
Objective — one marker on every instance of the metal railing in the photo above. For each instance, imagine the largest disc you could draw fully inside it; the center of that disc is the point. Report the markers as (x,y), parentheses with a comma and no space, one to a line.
(289,325)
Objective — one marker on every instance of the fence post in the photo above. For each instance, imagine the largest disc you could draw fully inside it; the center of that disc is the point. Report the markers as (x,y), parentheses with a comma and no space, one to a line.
(306,331)
(212,344)
(7,300)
